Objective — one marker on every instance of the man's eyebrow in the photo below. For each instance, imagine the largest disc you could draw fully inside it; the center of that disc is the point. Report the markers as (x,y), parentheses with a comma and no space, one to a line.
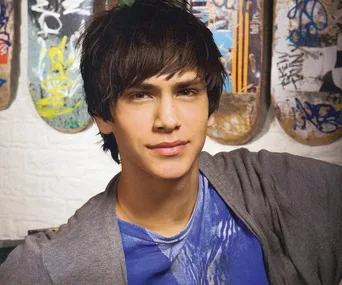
(179,85)
(187,83)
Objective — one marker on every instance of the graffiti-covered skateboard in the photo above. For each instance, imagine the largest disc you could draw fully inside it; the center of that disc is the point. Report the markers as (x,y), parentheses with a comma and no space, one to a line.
(55,81)
(237,28)
(307,69)
(6,51)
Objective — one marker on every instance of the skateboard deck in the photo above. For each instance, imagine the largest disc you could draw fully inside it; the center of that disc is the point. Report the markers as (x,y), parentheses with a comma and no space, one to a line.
(6,51)
(237,28)
(306,79)
(55,81)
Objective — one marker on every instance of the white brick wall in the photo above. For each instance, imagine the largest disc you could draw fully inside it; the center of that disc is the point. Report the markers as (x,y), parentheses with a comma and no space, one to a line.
(46,175)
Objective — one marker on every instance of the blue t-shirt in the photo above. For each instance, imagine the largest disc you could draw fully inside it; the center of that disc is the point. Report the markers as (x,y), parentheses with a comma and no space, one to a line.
(214,248)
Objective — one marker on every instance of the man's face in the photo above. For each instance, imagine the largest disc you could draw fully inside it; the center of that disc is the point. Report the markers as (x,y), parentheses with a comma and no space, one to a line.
(160,126)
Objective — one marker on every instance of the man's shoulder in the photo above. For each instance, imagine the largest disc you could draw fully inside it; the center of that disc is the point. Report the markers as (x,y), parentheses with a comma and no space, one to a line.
(297,198)
(83,217)
(300,182)
(86,238)
(242,157)
(86,221)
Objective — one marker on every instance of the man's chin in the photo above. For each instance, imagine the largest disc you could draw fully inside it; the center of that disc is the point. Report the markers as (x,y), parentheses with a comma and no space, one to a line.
(173,171)
(171,176)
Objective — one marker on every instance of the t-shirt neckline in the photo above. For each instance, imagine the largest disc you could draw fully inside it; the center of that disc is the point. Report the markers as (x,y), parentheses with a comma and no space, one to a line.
(139,231)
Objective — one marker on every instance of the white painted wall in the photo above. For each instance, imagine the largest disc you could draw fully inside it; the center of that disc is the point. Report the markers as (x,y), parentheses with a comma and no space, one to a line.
(46,175)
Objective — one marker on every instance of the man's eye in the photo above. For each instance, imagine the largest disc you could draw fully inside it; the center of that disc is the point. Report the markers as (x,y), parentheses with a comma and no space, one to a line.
(187,92)
(139,95)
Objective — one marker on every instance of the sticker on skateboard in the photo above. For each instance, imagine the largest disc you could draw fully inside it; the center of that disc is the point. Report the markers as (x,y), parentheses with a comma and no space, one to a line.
(307,69)
(236,27)
(55,80)
(6,42)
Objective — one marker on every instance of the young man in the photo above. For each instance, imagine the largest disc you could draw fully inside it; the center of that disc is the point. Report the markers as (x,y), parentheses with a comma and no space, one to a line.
(152,78)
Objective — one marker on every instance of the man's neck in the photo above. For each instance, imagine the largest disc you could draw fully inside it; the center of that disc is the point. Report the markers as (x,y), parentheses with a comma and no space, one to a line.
(163,206)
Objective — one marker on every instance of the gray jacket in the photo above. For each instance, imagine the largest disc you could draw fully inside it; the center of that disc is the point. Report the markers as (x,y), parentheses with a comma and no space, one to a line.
(292,204)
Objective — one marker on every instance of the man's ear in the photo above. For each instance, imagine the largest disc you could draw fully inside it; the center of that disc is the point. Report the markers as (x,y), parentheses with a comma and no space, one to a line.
(211,120)
(105,127)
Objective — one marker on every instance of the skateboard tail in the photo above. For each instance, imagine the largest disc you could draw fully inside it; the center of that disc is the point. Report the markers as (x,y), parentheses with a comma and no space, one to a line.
(307,70)
(237,32)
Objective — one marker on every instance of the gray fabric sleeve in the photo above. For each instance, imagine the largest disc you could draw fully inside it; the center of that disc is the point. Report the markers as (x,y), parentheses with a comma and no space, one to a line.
(24,265)
(314,188)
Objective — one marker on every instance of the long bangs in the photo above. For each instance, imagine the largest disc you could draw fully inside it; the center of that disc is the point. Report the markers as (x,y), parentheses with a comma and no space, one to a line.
(156,51)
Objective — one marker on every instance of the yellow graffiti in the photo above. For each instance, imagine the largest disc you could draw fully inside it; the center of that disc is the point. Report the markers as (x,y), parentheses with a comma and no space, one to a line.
(55,105)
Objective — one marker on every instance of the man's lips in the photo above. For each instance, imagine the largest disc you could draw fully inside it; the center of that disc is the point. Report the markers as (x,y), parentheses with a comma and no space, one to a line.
(167,144)
(169,148)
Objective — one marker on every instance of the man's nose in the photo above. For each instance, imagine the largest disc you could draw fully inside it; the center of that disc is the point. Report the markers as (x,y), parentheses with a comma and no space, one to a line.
(166,117)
